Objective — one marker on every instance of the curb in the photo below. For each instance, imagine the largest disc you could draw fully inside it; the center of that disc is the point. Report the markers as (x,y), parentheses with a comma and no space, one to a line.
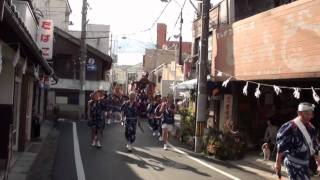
(244,165)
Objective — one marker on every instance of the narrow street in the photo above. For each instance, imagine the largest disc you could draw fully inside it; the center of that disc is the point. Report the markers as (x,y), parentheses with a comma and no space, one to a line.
(148,160)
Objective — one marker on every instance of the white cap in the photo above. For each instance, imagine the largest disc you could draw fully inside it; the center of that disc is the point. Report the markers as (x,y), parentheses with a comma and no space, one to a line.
(306,107)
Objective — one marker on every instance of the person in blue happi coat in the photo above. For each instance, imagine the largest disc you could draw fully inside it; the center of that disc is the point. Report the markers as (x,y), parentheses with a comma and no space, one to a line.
(130,113)
(96,121)
(297,144)
(155,121)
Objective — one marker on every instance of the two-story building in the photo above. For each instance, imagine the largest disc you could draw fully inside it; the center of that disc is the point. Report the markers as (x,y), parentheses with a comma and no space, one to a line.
(263,43)
(21,68)
(66,93)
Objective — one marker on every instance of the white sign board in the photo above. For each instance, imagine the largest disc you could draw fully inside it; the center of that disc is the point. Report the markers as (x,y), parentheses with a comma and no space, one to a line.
(45,38)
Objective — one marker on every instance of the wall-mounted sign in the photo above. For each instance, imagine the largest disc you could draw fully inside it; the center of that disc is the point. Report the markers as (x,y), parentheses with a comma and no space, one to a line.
(91,65)
(45,38)
(227,110)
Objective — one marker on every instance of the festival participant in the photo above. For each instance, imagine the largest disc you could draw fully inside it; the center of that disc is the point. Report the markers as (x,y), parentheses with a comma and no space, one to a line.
(97,122)
(155,121)
(115,102)
(157,129)
(143,82)
(168,110)
(159,117)
(130,113)
(296,143)
(149,112)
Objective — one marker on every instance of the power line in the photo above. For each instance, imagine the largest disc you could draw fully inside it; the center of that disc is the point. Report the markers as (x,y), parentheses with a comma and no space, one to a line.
(176,22)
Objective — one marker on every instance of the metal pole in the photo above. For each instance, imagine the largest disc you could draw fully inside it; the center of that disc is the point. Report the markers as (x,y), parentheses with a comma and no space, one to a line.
(202,78)
(111,54)
(83,51)
(180,39)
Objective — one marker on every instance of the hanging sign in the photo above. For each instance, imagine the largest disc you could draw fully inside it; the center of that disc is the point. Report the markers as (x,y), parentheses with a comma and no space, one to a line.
(45,38)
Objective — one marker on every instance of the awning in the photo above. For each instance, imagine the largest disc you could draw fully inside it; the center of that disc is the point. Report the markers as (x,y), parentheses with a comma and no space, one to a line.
(187,85)
(192,84)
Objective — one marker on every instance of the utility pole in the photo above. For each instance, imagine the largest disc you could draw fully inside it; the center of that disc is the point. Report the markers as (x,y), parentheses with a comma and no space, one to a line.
(175,74)
(202,78)
(83,52)
(180,39)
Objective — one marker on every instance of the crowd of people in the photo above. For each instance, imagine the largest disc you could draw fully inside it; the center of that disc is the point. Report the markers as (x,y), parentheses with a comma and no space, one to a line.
(104,108)
(294,143)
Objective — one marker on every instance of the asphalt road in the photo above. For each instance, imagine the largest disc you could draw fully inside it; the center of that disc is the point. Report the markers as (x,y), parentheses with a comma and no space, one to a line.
(148,161)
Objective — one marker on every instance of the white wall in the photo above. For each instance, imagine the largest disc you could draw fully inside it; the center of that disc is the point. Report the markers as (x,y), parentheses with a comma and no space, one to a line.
(28,17)
(57,10)
(96,30)
(166,87)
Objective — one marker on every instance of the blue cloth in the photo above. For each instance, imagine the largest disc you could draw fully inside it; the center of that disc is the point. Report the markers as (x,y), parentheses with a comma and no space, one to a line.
(291,142)
(151,116)
(97,113)
(130,131)
(115,103)
(168,115)
(156,124)
(130,111)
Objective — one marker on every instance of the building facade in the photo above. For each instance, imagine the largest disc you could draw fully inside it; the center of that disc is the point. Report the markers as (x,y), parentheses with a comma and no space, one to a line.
(57,10)
(162,63)
(120,76)
(66,93)
(22,68)
(267,42)
(98,36)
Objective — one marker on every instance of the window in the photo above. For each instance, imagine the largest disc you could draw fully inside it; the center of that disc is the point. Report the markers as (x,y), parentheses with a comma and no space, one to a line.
(159,79)
(67,97)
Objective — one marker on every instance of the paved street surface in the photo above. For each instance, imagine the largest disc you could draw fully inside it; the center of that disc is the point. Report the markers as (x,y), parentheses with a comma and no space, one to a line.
(148,161)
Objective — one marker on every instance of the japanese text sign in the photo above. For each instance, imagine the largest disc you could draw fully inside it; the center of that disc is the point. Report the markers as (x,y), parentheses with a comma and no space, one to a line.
(228,102)
(45,38)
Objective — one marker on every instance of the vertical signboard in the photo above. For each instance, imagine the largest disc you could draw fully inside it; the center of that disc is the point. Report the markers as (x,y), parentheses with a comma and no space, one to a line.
(45,38)
(226,115)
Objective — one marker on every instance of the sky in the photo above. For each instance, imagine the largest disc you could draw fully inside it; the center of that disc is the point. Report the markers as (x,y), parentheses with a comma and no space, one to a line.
(128,16)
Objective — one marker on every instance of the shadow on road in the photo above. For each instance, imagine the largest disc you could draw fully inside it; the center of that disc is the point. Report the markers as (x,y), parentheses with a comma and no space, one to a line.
(146,160)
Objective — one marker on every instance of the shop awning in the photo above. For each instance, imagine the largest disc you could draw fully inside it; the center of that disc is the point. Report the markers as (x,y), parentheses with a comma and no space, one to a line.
(192,84)
(187,85)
